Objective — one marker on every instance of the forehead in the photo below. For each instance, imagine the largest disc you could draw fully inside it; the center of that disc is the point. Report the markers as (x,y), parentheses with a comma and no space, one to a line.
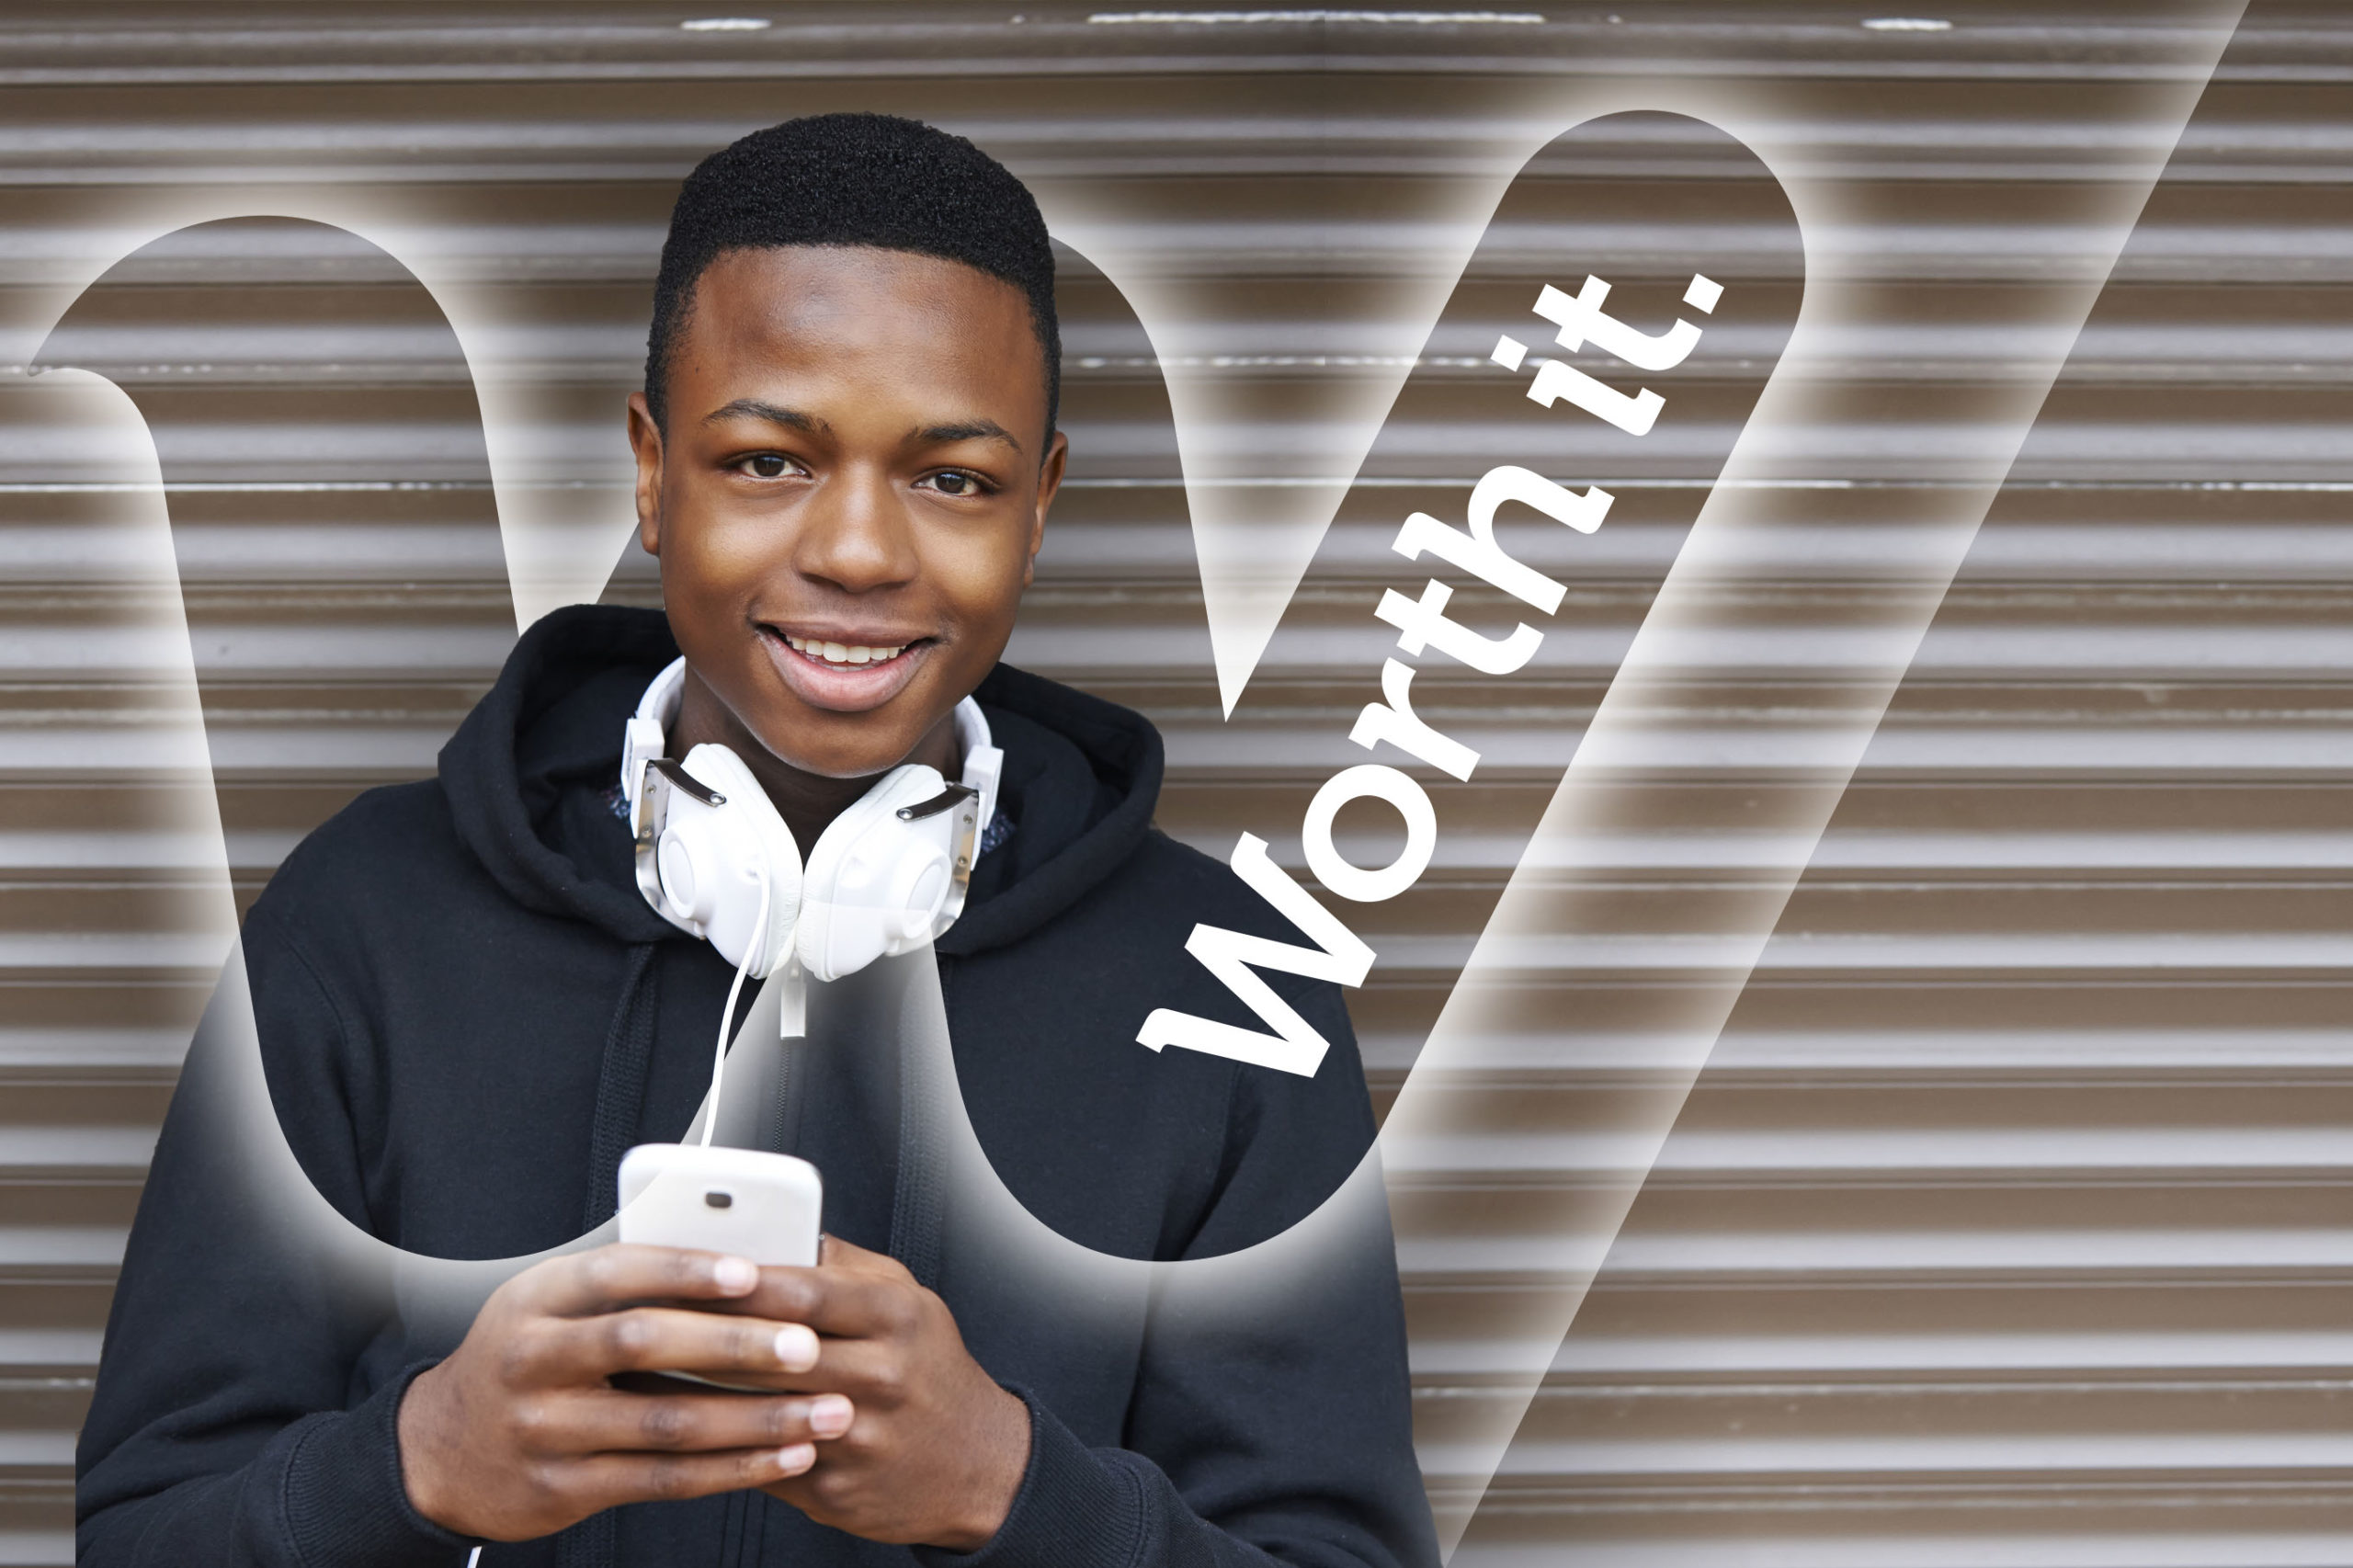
(856,314)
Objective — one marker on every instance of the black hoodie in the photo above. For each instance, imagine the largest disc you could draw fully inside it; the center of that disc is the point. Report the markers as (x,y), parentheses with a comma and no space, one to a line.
(467,1012)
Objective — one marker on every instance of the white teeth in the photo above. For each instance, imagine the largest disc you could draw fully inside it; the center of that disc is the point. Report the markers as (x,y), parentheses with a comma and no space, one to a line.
(840,653)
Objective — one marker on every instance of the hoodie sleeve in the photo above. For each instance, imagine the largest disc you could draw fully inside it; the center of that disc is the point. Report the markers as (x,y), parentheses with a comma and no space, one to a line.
(1271,1425)
(234,1420)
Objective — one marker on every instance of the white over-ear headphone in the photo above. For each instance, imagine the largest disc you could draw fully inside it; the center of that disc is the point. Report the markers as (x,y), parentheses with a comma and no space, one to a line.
(715,859)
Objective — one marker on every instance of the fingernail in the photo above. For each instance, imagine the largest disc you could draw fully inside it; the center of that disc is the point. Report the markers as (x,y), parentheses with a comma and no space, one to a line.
(734,1275)
(796,1459)
(829,1417)
(796,1348)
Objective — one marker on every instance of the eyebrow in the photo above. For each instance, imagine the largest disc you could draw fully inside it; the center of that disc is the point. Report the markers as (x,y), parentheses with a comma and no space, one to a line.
(775,414)
(798,419)
(966,430)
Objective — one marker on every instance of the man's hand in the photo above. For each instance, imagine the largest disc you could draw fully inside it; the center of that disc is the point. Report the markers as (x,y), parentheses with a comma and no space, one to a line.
(517,1435)
(936,1449)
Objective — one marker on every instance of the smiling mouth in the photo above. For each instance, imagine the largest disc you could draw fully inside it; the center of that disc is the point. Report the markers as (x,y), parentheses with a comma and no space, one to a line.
(844,656)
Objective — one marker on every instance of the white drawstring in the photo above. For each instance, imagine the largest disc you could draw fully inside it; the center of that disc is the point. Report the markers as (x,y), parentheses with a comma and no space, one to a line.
(758,944)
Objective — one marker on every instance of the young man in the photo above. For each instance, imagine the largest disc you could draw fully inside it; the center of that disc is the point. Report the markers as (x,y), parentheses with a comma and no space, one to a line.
(467,1008)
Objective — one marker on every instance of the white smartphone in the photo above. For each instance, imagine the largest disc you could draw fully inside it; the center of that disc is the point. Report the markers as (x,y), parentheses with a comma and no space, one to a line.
(759,1206)
(764,1207)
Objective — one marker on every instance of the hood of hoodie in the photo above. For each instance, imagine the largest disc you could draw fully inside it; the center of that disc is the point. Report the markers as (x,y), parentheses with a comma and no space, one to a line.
(541,751)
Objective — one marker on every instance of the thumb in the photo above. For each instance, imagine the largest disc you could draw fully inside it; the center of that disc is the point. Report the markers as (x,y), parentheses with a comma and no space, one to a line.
(835,1253)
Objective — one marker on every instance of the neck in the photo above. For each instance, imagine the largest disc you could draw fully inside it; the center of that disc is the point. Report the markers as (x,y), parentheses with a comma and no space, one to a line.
(807,801)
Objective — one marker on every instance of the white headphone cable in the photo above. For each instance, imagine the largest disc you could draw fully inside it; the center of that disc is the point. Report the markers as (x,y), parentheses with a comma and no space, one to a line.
(719,1057)
(757,944)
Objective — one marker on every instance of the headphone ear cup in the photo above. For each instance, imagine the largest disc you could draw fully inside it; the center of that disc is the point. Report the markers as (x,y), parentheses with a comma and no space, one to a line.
(868,872)
(742,845)
(918,892)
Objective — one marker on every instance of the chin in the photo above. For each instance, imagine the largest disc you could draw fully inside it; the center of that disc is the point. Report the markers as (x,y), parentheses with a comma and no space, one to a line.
(838,745)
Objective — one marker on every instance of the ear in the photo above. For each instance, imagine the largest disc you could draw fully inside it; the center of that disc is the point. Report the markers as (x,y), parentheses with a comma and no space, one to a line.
(645,444)
(1050,481)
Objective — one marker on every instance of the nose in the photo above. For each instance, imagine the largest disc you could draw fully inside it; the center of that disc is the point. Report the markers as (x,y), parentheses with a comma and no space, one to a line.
(856,535)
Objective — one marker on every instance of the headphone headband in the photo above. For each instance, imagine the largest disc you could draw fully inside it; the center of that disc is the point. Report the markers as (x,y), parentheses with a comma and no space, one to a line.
(649,737)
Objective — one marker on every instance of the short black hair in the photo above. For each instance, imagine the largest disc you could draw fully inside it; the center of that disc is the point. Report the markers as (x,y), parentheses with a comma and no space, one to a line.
(855,179)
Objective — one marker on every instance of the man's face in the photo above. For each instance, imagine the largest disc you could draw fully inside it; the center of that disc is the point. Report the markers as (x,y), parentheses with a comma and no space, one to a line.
(849,493)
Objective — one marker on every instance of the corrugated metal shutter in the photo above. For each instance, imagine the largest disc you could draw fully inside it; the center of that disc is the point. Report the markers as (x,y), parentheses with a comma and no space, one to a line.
(2005,1225)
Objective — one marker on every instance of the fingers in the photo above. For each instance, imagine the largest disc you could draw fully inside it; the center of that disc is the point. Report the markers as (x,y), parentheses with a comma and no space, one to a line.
(872,1372)
(604,1480)
(847,1303)
(607,1422)
(582,1283)
(649,1339)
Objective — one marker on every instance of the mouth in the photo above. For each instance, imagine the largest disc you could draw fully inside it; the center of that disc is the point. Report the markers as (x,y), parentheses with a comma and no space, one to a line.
(843,674)
(843,655)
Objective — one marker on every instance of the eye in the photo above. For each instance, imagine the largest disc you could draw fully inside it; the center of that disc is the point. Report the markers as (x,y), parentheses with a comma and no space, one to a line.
(957,482)
(767,465)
